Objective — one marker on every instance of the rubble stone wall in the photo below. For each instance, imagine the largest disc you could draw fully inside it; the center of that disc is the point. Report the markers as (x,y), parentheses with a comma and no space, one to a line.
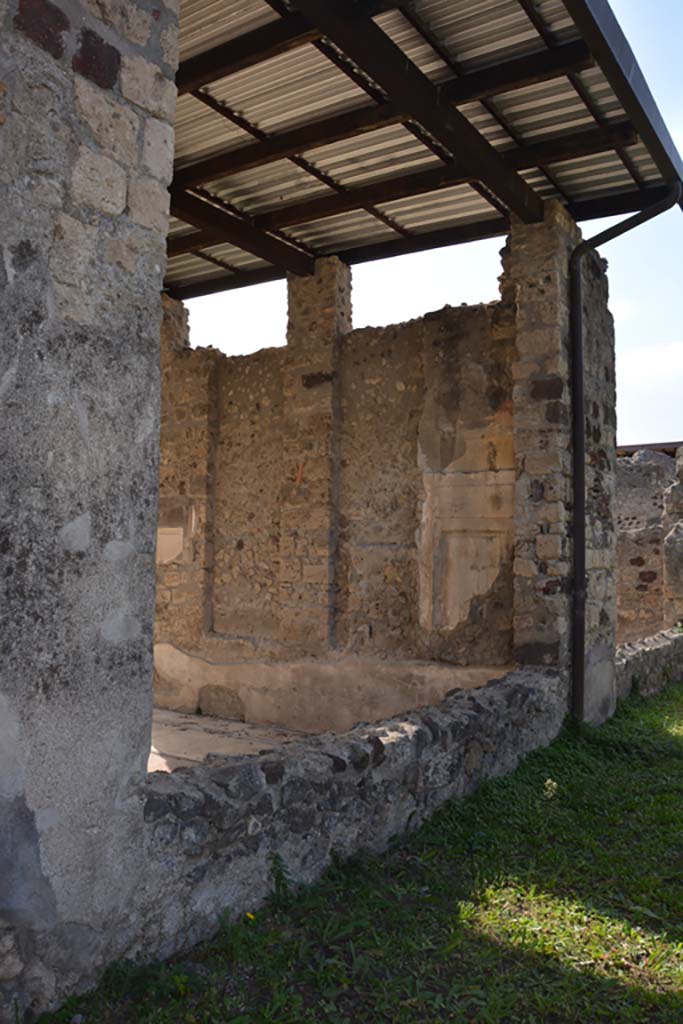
(359,505)
(211,832)
(650,546)
(648,666)
(427,488)
(536,283)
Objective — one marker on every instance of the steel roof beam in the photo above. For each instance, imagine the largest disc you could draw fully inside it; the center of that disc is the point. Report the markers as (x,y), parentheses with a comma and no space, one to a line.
(614,205)
(378,56)
(603,34)
(492,228)
(518,73)
(591,209)
(287,144)
(504,77)
(569,147)
(226,228)
(269,40)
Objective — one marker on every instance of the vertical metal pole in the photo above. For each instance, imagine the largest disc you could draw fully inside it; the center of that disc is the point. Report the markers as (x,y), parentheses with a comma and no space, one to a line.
(579,434)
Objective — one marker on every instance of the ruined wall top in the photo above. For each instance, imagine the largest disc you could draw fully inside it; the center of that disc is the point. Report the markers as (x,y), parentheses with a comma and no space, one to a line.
(642,480)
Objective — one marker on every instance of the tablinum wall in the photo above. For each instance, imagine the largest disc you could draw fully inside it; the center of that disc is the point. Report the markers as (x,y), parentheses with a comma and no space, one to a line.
(396,503)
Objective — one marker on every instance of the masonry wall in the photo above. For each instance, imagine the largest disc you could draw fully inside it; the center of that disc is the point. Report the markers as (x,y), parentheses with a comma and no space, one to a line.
(601,504)
(650,545)
(187,455)
(86,105)
(427,479)
(418,539)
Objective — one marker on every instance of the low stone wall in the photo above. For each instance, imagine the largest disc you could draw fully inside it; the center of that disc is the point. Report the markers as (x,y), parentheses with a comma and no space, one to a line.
(648,666)
(212,831)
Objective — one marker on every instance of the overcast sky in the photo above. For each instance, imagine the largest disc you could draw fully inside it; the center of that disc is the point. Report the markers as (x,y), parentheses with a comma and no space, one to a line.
(646,271)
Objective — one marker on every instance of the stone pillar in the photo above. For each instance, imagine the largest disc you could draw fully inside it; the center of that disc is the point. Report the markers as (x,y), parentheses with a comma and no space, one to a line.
(189,426)
(86,144)
(601,498)
(536,278)
(319,316)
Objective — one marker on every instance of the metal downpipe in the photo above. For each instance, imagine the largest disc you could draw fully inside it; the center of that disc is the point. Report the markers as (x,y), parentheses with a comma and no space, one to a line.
(576,327)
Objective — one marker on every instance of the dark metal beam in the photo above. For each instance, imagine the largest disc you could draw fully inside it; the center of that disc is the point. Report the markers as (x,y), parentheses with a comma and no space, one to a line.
(224,283)
(269,40)
(227,228)
(602,32)
(494,227)
(373,51)
(279,147)
(615,205)
(518,73)
(567,147)
(585,210)
(510,75)
(251,48)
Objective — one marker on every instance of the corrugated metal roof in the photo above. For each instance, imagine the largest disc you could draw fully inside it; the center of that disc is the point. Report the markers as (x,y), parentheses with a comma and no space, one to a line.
(444,39)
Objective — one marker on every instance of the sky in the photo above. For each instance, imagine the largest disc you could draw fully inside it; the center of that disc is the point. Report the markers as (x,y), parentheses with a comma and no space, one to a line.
(645,271)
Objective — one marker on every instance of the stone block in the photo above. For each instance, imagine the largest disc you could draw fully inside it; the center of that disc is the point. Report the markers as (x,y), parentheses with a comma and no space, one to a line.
(113,127)
(98,182)
(148,203)
(549,546)
(128,19)
(143,84)
(96,59)
(44,24)
(157,149)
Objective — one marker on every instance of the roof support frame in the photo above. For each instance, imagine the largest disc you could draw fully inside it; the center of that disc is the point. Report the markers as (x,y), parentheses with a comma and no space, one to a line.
(361,39)
(270,40)
(495,227)
(569,147)
(240,233)
(598,25)
(509,75)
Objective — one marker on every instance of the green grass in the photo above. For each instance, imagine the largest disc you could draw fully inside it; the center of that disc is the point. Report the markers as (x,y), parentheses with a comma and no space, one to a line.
(554,895)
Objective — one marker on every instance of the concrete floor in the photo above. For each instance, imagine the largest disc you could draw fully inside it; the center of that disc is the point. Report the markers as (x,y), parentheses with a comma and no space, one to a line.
(183,740)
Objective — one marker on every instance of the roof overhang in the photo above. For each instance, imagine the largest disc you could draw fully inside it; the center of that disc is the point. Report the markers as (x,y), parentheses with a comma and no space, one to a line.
(378,127)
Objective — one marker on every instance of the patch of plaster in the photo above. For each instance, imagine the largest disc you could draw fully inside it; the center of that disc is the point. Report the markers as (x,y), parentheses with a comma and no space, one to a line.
(120,626)
(75,536)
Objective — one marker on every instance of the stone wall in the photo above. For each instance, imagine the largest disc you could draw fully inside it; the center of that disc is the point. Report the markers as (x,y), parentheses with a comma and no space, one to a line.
(650,547)
(426,492)
(86,141)
(648,666)
(186,473)
(211,832)
(535,283)
(379,491)
(601,504)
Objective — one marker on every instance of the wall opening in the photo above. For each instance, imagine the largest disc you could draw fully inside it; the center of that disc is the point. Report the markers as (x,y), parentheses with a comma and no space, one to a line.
(242,321)
(406,287)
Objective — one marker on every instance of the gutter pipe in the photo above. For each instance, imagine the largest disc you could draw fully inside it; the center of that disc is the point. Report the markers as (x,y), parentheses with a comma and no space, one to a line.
(579,433)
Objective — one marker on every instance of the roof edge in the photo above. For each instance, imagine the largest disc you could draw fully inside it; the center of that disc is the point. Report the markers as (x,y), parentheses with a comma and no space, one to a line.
(602,32)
